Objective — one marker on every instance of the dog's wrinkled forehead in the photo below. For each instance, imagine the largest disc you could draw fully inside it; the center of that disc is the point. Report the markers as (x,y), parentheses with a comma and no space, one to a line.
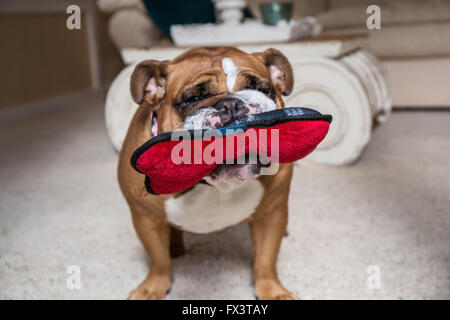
(219,73)
(228,77)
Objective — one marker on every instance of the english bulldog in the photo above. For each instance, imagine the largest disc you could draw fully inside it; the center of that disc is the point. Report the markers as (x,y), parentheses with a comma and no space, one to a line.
(208,88)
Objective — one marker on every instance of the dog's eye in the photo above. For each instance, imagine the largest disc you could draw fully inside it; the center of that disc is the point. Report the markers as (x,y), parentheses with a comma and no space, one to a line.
(192,100)
(254,83)
(192,95)
(266,91)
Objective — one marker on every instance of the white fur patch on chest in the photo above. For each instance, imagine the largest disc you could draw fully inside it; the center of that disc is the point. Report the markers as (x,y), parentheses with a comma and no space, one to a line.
(206,209)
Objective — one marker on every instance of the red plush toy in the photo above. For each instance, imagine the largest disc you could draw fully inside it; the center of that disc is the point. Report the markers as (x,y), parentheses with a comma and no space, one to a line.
(176,161)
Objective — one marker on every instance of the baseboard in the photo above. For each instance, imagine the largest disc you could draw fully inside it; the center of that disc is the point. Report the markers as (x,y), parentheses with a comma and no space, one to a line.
(19,112)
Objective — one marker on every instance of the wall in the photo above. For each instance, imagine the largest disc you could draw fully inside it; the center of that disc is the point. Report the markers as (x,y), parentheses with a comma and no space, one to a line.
(41,59)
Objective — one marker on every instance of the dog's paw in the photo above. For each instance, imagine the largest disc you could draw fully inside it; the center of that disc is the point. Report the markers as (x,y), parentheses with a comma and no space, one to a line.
(268,289)
(152,288)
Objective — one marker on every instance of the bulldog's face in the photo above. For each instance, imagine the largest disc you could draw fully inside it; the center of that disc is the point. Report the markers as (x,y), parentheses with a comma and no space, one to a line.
(210,88)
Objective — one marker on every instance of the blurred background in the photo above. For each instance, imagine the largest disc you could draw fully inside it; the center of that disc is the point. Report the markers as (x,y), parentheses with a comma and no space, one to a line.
(377,192)
(412,44)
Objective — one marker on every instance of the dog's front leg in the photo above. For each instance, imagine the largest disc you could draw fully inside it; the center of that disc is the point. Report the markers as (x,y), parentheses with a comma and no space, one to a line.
(267,230)
(154,234)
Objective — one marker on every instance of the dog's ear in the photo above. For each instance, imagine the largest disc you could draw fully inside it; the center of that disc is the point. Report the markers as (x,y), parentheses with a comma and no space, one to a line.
(148,82)
(279,68)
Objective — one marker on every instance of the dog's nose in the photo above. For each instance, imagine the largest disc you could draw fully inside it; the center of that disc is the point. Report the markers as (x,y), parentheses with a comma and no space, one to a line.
(231,109)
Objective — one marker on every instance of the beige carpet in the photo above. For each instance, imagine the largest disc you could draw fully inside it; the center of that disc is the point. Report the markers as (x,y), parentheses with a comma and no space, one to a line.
(60,205)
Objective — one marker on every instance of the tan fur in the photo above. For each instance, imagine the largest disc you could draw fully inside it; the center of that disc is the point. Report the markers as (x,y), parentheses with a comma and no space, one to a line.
(159,237)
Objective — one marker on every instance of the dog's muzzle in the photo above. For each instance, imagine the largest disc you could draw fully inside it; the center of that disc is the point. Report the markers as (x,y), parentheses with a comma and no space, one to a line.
(228,109)
(223,113)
